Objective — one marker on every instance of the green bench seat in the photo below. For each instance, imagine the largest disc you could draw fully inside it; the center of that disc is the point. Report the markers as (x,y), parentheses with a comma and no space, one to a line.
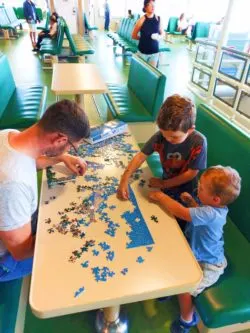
(7,21)
(20,14)
(87,26)
(20,107)
(141,98)
(227,302)
(201,30)
(172,26)
(79,46)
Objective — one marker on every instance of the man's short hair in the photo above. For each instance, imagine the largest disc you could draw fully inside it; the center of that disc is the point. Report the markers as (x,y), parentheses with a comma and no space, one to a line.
(225,182)
(66,117)
(177,113)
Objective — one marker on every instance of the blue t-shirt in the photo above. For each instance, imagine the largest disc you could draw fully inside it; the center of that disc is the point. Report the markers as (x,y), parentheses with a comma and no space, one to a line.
(178,158)
(205,233)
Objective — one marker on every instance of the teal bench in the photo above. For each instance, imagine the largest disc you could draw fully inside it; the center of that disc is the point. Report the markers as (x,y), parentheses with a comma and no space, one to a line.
(20,107)
(20,14)
(140,99)
(200,31)
(9,22)
(78,45)
(88,27)
(123,37)
(227,303)
(53,47)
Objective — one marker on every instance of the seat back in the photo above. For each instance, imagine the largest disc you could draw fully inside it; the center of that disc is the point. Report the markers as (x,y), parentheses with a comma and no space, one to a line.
(148,84)
(172,24)
(228,146)
(19,13)
(86,22)
(11,14)
(124,28)
(7,83)
(128,35)
(70,38)
(4,20)
(60,34)
(201,30)
(122,22)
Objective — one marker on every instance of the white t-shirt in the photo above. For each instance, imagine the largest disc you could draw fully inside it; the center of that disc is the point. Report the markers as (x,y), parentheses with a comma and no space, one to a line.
(18,187)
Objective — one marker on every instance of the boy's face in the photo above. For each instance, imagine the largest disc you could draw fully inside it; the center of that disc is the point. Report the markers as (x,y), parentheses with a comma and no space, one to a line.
(204,193)
(176,137)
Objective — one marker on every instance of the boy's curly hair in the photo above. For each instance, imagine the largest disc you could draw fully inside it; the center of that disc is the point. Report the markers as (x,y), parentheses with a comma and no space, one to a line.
(225,182)
(177,114)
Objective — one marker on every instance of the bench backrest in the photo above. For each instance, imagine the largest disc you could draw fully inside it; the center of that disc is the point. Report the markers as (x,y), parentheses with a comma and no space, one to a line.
(20,13)
(148,84)
(201,30)
(70,38)
(4,20)
(228,146)
(60,34)
(7,83)
(11,14)
(172,24)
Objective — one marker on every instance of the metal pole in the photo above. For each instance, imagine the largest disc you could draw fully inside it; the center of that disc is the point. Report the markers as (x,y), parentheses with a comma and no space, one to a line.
(221,43)
(81,28)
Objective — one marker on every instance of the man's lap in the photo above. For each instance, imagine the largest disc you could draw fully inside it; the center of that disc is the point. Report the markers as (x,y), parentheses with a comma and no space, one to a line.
(11,269)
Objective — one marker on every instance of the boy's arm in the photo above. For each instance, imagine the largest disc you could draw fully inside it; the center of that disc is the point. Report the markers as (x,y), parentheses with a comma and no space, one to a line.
(185,177)
(136,162)
(171,205)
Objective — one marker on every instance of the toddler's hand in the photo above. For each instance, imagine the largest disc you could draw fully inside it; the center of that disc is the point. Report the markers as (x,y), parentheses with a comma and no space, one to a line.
(186,198)
(156,182)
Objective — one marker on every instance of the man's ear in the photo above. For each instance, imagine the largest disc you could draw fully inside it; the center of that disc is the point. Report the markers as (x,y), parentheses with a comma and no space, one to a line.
(58,138)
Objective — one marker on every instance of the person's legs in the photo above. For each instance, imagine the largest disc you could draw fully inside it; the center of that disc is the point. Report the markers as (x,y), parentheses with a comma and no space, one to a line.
(153,59)
(10,269)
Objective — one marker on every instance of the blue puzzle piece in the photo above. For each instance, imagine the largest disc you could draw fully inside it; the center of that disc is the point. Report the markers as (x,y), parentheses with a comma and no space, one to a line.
(79,292)
(85,264)
(140,260)
(110,255)
(102,273)
(104,246)
(95,253)
(149,248)
(124,271)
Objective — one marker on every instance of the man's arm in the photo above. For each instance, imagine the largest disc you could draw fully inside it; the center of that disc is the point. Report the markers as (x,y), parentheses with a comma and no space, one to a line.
(19,242)
(74,163)
(173,206)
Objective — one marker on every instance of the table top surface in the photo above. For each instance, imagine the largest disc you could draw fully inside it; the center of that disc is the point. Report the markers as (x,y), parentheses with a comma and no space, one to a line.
(77,79)
(117,253)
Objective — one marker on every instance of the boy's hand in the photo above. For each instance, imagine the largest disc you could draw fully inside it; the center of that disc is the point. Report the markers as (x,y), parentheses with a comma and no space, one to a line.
(122,191)
(187,199)
(156,182)
(155,196)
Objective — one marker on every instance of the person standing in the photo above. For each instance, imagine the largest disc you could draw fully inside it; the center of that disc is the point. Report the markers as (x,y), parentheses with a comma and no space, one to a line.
(29,10)
(149,27)
(106,15)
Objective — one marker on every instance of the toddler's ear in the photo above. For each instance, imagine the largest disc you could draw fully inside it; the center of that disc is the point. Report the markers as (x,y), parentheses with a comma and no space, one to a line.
(217,200)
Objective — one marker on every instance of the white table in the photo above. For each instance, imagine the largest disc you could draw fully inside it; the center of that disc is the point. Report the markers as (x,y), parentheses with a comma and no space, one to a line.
(169,268)
(77,79)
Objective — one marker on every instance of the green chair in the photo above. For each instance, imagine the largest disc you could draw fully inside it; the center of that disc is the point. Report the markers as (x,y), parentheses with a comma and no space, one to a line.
(140,99)
(20,107)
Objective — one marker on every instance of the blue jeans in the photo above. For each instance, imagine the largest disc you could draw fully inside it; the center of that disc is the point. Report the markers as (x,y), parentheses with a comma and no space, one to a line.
(107,21)
(10,269)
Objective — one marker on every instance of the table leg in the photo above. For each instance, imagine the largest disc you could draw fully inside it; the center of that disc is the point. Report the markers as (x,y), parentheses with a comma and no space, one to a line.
(79,98)
(110,320)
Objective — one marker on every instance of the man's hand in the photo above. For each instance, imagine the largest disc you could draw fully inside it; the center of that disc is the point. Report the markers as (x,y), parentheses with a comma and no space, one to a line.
(122,191)
(156,182)
(155,196)
(75,164)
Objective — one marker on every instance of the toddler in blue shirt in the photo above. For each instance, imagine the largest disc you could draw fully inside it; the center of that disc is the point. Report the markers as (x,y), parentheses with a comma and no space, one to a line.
(218,187)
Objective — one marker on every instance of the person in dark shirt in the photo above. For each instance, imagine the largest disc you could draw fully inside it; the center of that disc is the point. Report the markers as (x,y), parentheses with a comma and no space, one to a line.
(148,31)
(29,10)
(182,150)
(106,16)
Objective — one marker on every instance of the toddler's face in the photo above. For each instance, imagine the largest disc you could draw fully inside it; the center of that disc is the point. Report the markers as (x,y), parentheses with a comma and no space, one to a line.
(204,193)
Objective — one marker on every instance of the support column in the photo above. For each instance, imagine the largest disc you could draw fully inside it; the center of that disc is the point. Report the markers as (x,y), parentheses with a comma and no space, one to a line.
(80,25)
(51,6)
(221,43)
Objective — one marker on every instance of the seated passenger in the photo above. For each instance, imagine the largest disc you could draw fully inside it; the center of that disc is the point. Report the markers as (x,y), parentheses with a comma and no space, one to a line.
(48,34)
(62,126)
(218,187)
(182,24)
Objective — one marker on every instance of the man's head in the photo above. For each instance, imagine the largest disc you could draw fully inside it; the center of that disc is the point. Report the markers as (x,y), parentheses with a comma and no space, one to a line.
(176,118)
(62,124)
(219,186)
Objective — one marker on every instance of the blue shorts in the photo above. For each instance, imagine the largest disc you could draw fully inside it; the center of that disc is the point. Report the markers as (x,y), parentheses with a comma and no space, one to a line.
(10,269)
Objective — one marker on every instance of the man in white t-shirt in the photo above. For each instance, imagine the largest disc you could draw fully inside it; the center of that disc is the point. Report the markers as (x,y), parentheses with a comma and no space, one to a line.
(62,126)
